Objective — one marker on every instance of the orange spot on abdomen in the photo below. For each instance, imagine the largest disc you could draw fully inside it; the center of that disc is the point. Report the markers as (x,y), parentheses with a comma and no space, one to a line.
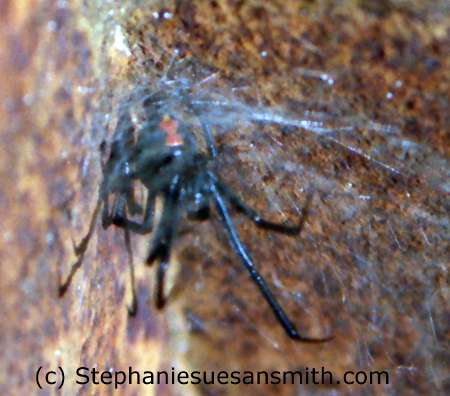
(170,126)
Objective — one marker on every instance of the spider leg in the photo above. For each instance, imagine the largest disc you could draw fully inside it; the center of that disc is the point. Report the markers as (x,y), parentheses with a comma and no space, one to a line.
(252,215)
(119,219)
(132,310)
(160,276)
(212,151)
(206,132)
(107,217)
(255,276)
(119,211)
(162,241)
(80,251)
(134,207)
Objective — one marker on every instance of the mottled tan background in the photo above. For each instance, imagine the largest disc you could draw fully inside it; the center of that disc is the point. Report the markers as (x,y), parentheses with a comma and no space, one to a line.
(371,266)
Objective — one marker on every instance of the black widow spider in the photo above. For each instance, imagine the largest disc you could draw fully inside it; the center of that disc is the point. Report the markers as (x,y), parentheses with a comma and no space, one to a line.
(166,159)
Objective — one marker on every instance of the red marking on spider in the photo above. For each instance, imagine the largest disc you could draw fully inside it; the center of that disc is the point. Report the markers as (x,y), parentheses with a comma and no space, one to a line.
(170,126)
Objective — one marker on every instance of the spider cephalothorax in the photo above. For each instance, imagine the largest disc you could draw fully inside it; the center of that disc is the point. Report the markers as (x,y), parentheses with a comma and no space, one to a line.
(166,159)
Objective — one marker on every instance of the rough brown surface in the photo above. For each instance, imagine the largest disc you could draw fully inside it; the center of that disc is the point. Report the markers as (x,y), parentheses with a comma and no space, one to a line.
(371,265)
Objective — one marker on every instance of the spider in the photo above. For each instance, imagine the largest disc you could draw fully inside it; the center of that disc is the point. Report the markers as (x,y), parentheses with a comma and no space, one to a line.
(167,160)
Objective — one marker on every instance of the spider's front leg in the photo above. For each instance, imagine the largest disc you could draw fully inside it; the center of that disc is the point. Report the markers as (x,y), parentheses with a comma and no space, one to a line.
(162,240)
